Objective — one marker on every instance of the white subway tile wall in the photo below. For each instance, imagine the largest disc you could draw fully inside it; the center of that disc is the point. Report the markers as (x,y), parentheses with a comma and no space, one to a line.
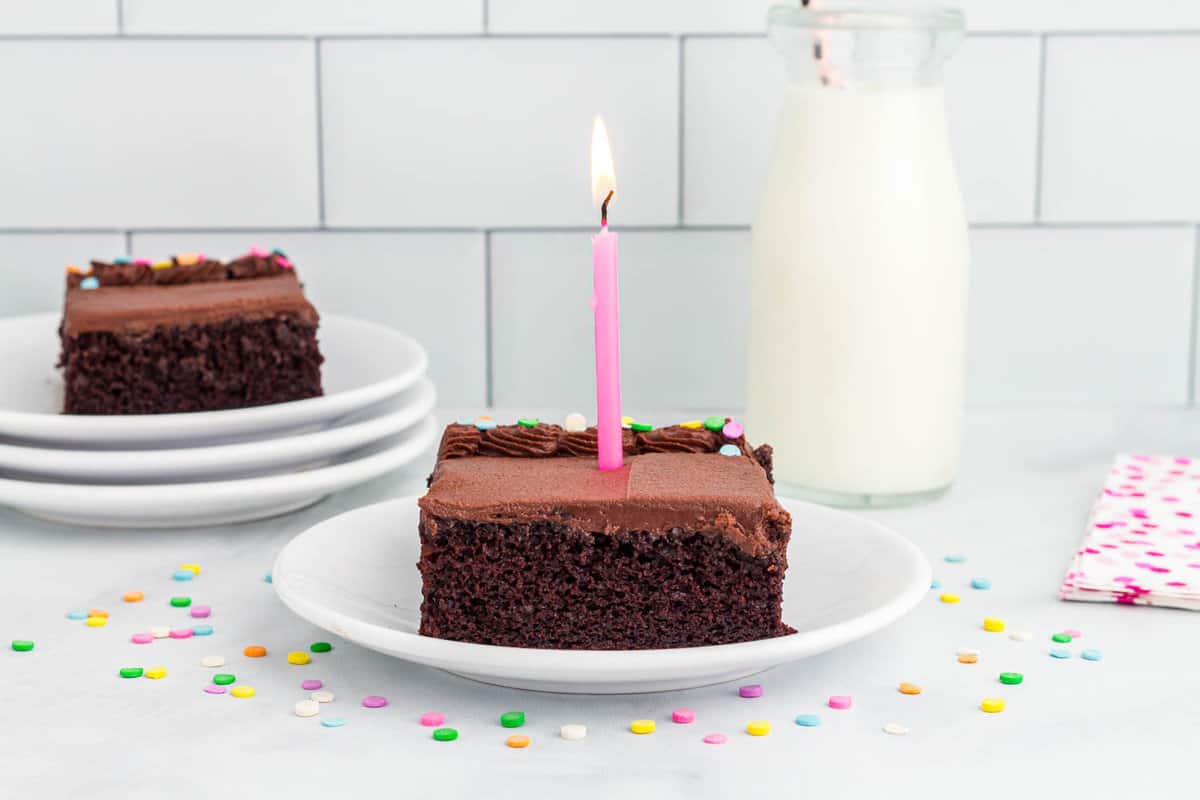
(426,164)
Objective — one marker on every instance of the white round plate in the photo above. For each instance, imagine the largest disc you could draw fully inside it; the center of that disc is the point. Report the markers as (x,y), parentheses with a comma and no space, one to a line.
(224,461)
(185,505)
(364,363)
(355,575)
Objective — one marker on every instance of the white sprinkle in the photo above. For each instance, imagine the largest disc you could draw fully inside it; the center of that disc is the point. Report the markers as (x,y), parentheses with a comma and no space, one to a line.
(160,633)
(307,708)
(212,661)
(895,729)
(322,696)
(967,651)
(1020,636)
(573,733)
(575,422)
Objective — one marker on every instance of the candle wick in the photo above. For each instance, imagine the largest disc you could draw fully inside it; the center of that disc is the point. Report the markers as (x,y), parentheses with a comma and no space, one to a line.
(604,208)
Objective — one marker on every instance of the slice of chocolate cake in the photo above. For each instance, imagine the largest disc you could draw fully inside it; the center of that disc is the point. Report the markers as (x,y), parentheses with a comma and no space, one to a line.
(525,543)
(189,334)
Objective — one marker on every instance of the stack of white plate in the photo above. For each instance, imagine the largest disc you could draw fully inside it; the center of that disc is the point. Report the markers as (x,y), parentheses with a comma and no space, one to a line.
(212,467)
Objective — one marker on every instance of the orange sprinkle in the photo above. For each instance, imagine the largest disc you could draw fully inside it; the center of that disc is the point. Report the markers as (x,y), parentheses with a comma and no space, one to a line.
(909,688)
(133,597)
(517,740)
(255,651)
(97,612)
(968,658)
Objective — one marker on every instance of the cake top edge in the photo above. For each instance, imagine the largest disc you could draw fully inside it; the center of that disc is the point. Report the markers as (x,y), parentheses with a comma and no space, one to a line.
(182,268)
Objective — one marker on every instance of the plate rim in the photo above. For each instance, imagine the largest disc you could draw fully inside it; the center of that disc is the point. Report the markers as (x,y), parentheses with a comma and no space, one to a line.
(612,666)
(57,427)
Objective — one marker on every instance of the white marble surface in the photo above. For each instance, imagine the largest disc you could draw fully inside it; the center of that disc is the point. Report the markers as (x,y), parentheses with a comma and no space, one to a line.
(69,727)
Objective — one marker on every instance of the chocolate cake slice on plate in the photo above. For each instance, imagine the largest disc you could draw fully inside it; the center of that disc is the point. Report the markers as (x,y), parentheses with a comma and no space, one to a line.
(189,334)
(525,543)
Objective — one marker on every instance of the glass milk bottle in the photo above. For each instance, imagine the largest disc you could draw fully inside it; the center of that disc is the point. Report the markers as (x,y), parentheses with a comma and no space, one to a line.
(859,268)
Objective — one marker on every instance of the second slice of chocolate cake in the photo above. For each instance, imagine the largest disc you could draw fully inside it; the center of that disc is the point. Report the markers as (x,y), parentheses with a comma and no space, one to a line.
(525,543)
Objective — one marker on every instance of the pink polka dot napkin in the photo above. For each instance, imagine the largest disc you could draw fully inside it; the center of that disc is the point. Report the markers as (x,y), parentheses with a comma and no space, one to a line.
(1143,539)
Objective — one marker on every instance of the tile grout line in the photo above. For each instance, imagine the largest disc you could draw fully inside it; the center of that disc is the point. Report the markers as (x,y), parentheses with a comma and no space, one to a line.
(1193,345)
(488,338)
(120,17)
(320,111)
(679,111)
(486,16)
(128,235)
(1040,133)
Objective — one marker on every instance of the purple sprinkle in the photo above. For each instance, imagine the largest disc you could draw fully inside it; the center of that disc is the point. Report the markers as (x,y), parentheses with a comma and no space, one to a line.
(753,690)
(374,701)
(310,684)
(212,688)
(200,612)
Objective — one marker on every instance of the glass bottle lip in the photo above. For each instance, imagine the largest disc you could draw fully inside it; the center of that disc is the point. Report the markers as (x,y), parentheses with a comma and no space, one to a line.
(837,14)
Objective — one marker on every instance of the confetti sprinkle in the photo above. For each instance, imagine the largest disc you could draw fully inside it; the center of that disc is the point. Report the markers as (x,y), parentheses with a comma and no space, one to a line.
(212,662)
(993,624)
(323,696)
(333,722)
(512,719)
(142,638)
(181,633)
(162,265)
(808,720)
(895,729)
(242,691)
(182,575)
(192,568)
(298,657)
(445,734)
(484,424)
(528,422)
(909,688)
(320,647)
(573,732)
(307,708)
(1061,638)
(694,424)
(22,645)
(1020,636)
(1091,655)
(714,423)
(683,716)
(517,741)
(1011,678)
(732,430)
(200,612)
(642,427)
(131,672)
(715,738)
(213,688)
(97,612)
(992,705)
(954,559)
(374,701)
(751,690)
(268,578)
(254,651)
(96,622)
(89,283)
(133,597)
(642,726)
(78,615)
(311,684)
(1074,633)
(160,632)
(202,630)
(758,727)
(626,422)
(156,673)
(981,583)
(840,701)
(935,584)
(432,719)
(948,597)
(968,658)
(1060,652)
(223,679)
(574,423)
(181,602)
(729,450)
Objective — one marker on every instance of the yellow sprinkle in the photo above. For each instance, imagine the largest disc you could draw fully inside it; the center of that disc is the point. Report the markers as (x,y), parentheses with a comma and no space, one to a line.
(517,740)
(993,624)
(948,597)
(154,673)
(133,597)
(96,622)
(242,691)
(162,265)
(642,726)
(298,657)
(759,727)
(992,705)
(192,568)
(909,688)
(626,422)
(695,423)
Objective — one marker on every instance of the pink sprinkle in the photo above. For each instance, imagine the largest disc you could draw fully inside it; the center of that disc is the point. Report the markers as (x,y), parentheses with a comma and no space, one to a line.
(311,684)
(716,738)
(141,638)
(259,252)
(1123,579)
(200,612)
(212,688)
(840,701)
(181,633)
(753,690)
(684,716)
(1073,633)
(432,719)
(732,430)
(142,262)
(283,262)
(374,701)
(1176,583)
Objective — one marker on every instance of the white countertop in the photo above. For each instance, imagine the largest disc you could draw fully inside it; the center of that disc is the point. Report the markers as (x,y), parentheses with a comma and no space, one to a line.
(70,727)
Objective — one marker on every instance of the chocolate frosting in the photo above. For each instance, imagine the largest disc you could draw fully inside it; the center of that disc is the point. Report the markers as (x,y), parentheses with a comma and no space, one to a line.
(542,440)
(208,270)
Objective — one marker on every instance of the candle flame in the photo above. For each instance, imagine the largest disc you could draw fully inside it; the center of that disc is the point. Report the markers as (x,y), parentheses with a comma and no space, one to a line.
(604,177)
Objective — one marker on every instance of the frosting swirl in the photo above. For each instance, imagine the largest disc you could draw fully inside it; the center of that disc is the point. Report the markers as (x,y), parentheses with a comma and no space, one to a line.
(459,441)
(677,439)
(519,441)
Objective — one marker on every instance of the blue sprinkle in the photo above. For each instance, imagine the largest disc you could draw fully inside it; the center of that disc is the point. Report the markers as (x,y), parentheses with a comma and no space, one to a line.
(279,252)
(935,584)
(89,282)
(183,575)
(954,559)
(484,424)
(122,260)
(729,450)
(268,578)
(1060,652)
(76,615)
(333,722)
(981,583)
(202,630)
(466,421)
(808,720)
(1091,655)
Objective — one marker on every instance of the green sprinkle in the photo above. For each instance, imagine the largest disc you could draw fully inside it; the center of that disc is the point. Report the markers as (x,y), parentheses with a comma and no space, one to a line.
(528,422)
(714,423)
(181,602)
(131,672)
(223,679)
(22,645)
(320,647)
(1061,637)
(512,719)
(445,734)
(642,426)
(1011,678)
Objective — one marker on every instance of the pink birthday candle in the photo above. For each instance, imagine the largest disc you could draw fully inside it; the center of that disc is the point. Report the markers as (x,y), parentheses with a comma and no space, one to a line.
(610,452)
